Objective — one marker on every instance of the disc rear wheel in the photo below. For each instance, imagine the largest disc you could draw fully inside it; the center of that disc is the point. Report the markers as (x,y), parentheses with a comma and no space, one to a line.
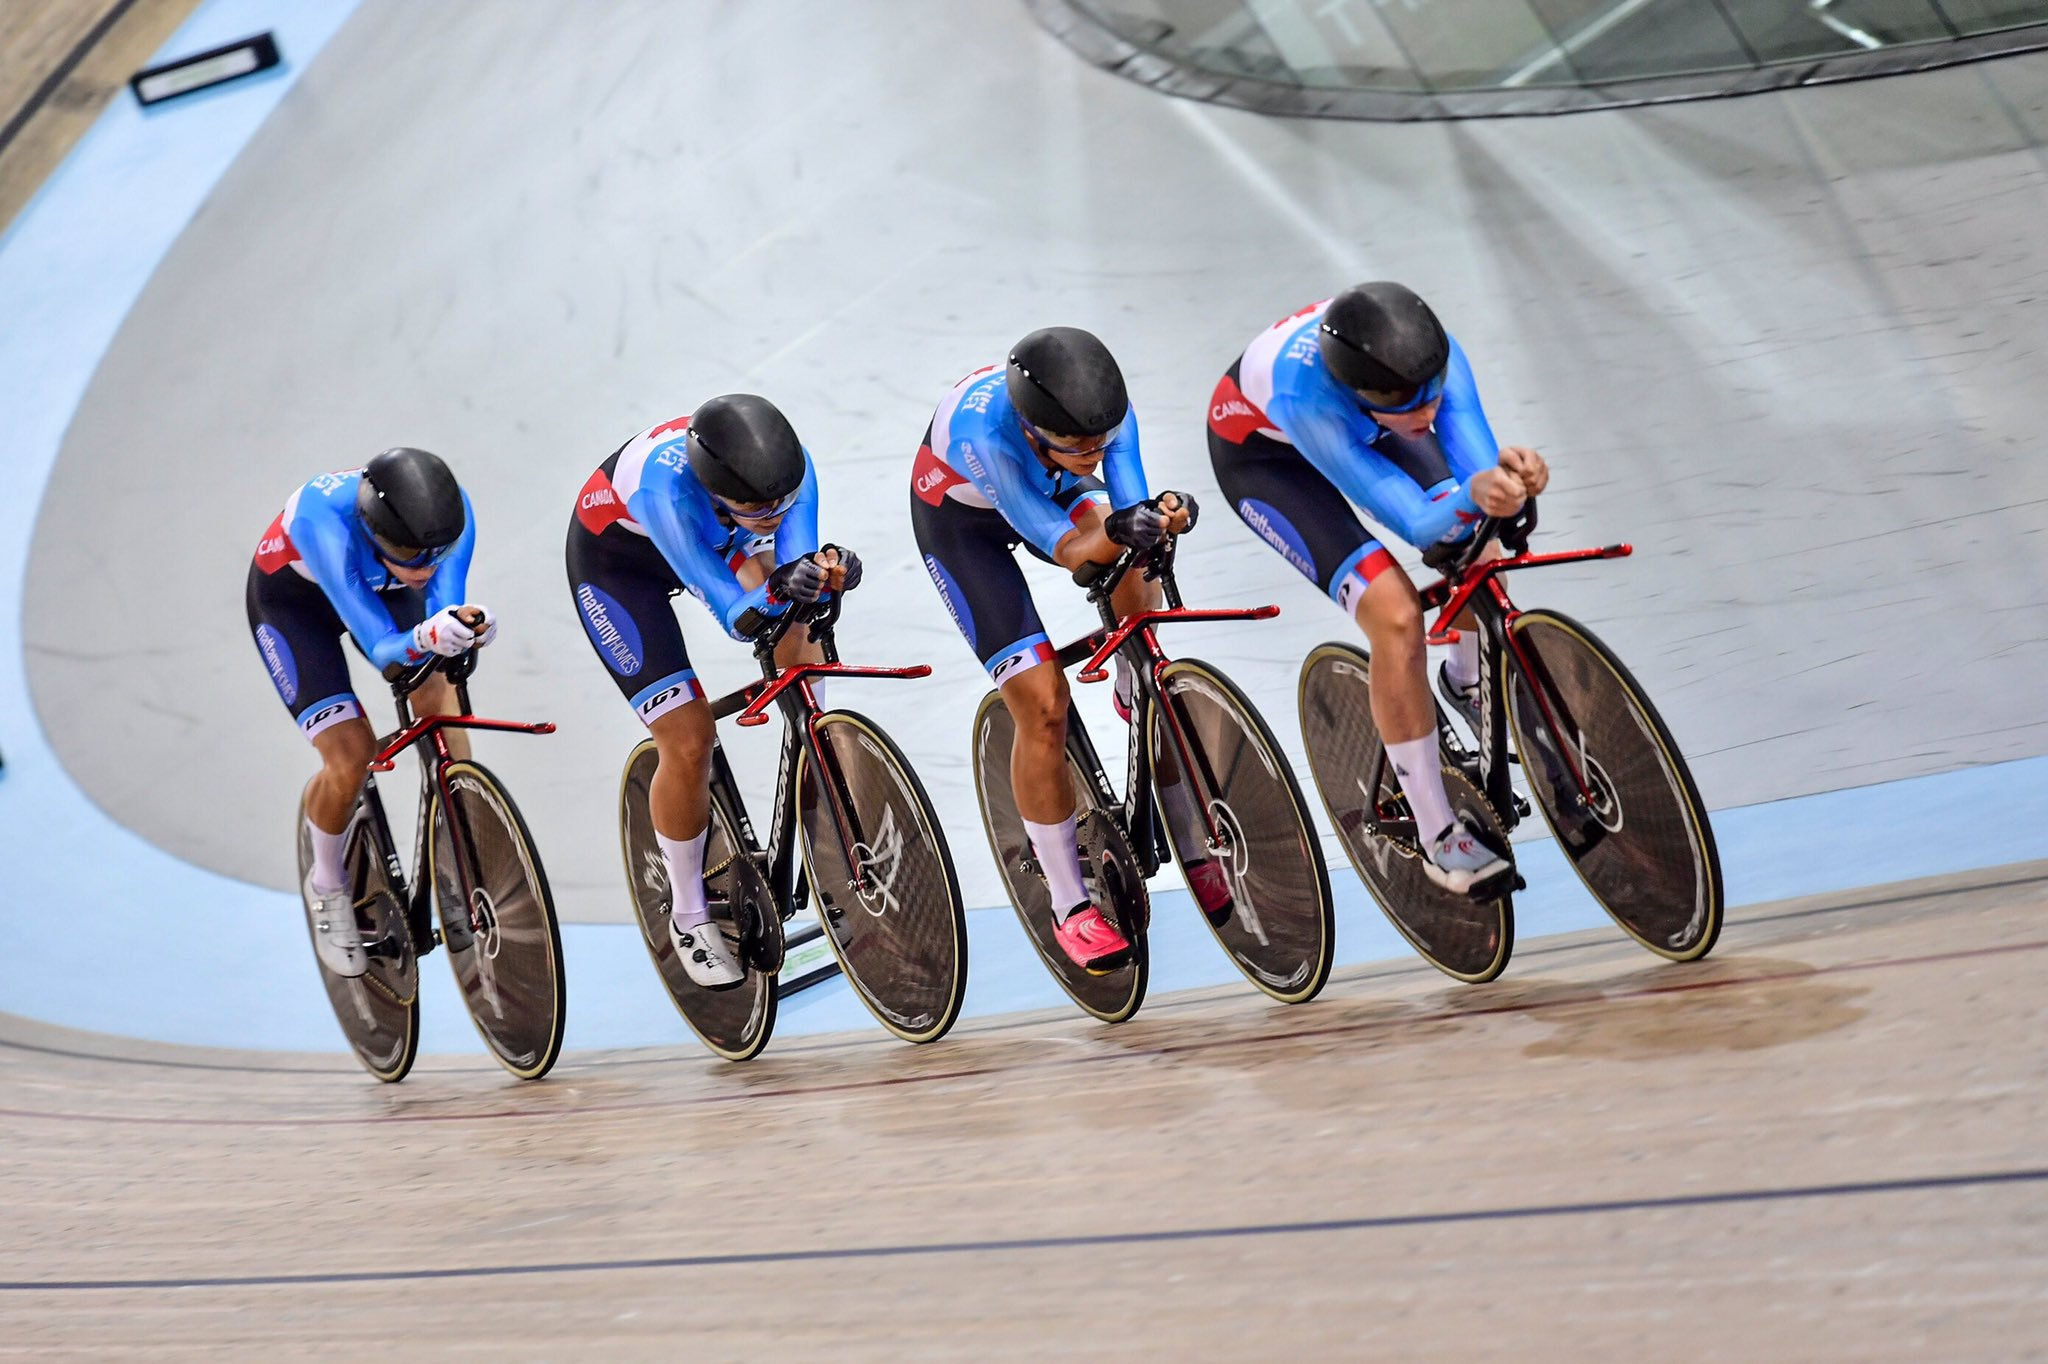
(1110,868)
(379,1011)
(1469,940)
(498,922)
(737,1022)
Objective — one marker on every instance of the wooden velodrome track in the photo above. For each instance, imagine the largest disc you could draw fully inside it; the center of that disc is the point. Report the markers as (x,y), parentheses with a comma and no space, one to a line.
(1826,1141)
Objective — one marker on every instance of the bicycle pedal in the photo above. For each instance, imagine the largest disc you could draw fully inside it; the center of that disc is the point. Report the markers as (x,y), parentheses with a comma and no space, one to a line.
(1521,804)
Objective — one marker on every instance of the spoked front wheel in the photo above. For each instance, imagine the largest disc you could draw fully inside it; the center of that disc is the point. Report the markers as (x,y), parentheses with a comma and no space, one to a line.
(498,922)
(1466,939)
(737,1022)
(1280,929)
(897,928)
(1613,786)
(1107,863)
(379,1011)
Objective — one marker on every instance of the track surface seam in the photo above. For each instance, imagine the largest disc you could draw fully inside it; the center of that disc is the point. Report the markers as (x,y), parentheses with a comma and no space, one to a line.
(1061,1063)
(1126,1238)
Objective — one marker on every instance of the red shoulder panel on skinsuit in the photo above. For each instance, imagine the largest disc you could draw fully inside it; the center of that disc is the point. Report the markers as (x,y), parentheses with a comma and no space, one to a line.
(275,549)
(1231,414)
(931,477)
(598,505)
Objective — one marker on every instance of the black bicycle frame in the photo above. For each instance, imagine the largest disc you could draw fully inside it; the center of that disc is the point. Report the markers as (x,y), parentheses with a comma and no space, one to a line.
(434,792)
(790,690)
(1469,583)
(1134,638)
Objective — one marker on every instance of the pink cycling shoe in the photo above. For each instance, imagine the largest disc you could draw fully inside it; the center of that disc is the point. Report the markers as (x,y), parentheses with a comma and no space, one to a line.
(1091,942)
(1212,891)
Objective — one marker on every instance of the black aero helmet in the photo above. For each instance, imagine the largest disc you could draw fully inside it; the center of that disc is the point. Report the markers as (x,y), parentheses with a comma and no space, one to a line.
(1065,381)
(1381,339)
(409,501)
(744,450)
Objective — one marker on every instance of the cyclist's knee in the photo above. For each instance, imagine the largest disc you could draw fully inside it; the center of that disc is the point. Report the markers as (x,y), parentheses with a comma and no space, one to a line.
(346,749)
(1390,607)
(1038,700)
(684,736)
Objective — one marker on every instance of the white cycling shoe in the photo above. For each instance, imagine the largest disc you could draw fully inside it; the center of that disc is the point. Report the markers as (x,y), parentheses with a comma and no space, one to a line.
(1461,864)
(336,939)
(706,957)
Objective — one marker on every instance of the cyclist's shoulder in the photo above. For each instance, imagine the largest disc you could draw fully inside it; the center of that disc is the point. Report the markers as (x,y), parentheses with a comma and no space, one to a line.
(973,406)
(328,498)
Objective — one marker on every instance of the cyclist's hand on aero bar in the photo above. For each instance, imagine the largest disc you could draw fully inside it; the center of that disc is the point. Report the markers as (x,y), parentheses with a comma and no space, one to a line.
(1498,492)
(1180,509)
(1137,526)
(479,618)
(844,566)
(1528,466)
(444,633)
(799,580)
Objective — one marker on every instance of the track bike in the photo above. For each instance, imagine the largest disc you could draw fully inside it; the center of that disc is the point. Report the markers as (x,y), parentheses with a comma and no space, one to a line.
(1601,763)
(1194,737)
(497,916)
(873,852)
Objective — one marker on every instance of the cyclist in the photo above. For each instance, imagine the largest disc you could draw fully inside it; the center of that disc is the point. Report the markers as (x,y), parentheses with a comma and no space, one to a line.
(1010,457)
(1365,398)
(381,553)
(722,504)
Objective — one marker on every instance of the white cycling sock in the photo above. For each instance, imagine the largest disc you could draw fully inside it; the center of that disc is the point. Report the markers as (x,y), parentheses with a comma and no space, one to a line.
(1463,664)
(685,858)
(1126,683)
(1422,778)
(1059,853)
(818,693)
(329,875)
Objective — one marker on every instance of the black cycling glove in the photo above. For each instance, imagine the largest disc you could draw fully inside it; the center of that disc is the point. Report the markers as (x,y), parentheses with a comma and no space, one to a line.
(799,580)
(849,561)
(1137,526)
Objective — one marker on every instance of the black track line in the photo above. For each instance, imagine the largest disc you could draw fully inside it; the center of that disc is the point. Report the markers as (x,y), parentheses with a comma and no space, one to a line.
(1526,1212)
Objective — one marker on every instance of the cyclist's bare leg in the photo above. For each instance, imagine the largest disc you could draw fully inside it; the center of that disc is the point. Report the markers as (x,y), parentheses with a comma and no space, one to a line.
(1037,699)
(345,751)
(1390,613)
(679,803)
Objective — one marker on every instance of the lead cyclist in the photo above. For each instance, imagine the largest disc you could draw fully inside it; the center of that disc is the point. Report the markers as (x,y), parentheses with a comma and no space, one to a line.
(1365,399)
(380,553)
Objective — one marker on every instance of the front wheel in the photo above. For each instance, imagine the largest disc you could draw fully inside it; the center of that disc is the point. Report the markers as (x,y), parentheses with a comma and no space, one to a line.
(1281,928)
(1108,865)
(498,921)
(897,927)
(1466,939)
(1613,786)
(379,1011)
(735,1023)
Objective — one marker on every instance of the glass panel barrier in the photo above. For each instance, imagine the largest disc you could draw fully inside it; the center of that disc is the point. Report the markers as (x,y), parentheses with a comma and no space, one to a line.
(1410,59)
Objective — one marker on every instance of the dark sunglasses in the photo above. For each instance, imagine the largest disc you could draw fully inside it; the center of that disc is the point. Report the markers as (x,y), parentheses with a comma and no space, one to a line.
(760,511)
(405,556)
(1428,393)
